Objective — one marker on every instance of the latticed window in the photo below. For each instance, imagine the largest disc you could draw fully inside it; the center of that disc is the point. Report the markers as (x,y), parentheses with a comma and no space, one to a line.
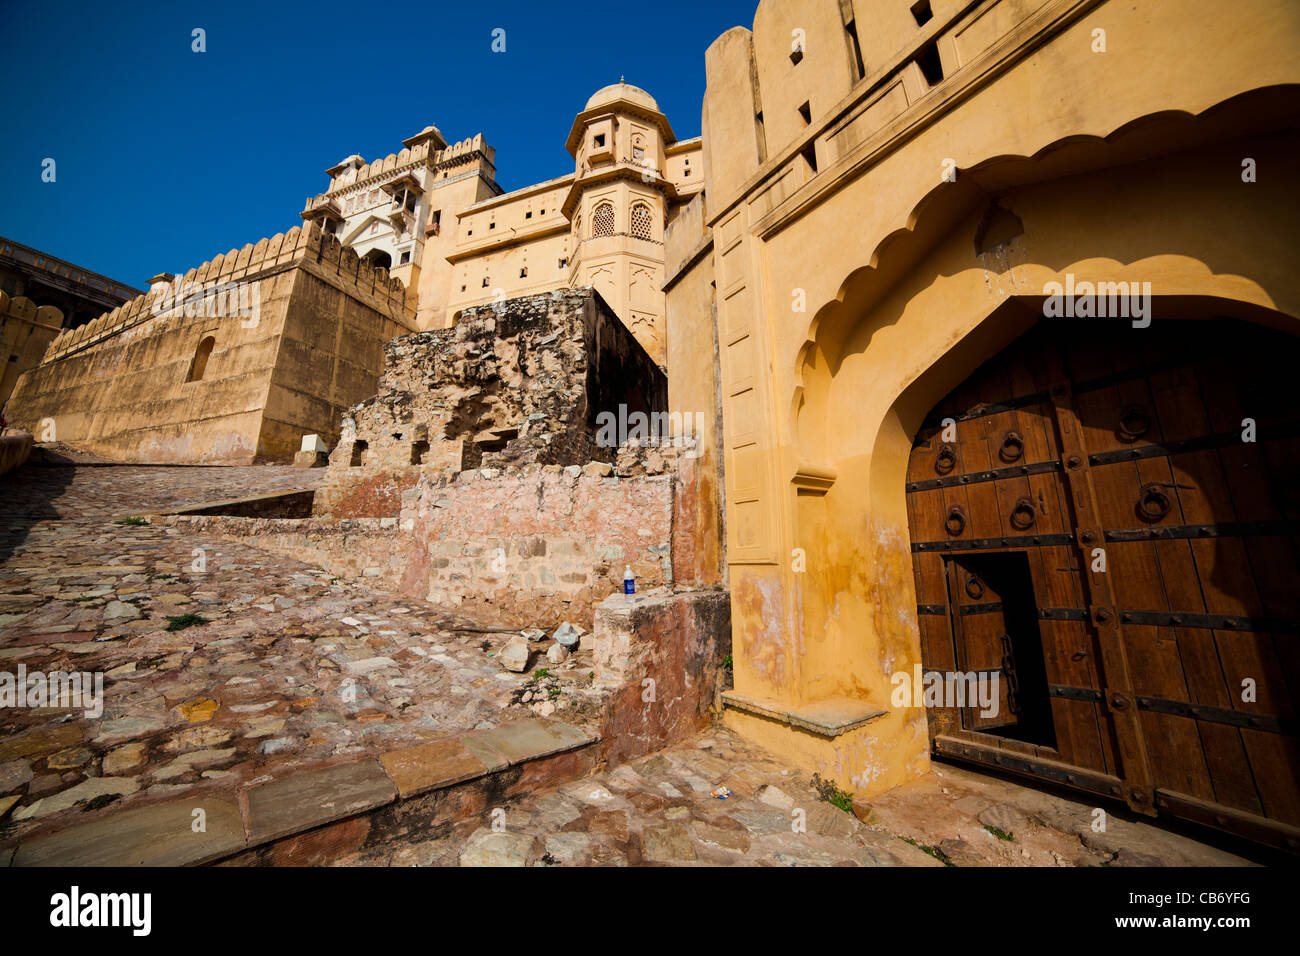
(641,221)
(602,220)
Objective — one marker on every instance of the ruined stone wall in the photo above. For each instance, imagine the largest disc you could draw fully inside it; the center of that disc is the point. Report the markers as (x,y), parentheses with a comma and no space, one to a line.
(538,548)
(518,383)
(295,332)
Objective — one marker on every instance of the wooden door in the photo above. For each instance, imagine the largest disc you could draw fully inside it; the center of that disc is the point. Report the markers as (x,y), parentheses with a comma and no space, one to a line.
(1142,487)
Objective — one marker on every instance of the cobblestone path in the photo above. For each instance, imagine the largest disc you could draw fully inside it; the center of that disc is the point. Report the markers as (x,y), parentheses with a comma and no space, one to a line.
(662,810)
(288,666)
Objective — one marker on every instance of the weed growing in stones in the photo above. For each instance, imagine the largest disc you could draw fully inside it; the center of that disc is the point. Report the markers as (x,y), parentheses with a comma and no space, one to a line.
(832,794)
(1001,834)
(131,521)
(933,851)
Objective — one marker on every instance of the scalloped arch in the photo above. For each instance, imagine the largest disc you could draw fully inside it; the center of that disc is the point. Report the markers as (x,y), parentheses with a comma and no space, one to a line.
(1043,154)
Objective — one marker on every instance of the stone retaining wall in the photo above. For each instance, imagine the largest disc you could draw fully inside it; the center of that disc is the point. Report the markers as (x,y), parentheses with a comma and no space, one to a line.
(373,549)
(538,548)
(530,549)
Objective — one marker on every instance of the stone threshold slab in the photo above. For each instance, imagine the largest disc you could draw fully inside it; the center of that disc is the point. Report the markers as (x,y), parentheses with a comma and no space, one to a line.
(826,718)
(204,828)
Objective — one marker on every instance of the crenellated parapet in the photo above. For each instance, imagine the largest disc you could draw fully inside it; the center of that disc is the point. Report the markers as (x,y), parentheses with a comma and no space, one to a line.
(26,330)
(355,174)
(252,262)
(25,310)
(465,149)
(384,292)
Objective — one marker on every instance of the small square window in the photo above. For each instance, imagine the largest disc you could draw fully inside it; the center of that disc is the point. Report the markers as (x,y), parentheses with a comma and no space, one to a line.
(523,273)
(492,225)
(563,263)
(406,257)
(598,141)
(485,282)
(529,214)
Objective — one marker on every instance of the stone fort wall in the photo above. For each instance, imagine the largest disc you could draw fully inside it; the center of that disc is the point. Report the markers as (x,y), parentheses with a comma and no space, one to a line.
(289,335)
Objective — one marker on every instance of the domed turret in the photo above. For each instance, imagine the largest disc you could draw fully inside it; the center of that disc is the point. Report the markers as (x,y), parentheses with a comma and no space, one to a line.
(621,91)
(620,98)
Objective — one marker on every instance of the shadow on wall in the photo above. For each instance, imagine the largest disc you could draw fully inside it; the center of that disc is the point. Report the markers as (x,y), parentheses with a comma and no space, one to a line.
(622,378)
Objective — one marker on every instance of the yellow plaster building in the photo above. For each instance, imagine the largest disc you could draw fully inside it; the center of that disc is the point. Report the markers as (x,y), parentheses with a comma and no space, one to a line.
(434,215)
(896,195)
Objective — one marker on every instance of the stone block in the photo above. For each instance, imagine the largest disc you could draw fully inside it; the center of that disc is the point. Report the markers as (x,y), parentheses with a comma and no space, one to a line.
(310,798)
(443,763)
(40,740)
(529,739)
(497,848)
(161,835)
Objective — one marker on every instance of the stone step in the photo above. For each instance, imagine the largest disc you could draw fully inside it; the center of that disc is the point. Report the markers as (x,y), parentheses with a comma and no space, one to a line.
(312,816)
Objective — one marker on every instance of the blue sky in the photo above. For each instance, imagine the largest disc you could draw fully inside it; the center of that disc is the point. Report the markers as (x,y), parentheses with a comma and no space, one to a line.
(165,157)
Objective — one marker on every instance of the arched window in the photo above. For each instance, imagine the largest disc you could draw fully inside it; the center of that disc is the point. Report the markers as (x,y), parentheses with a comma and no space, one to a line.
(376,258)
(602,220)
(200,363)
(642,221)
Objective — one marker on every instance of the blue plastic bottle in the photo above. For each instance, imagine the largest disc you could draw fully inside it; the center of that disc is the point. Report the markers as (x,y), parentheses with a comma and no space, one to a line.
(629,583)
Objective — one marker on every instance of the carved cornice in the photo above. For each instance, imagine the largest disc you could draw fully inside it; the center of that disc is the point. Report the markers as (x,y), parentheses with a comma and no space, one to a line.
(815,478)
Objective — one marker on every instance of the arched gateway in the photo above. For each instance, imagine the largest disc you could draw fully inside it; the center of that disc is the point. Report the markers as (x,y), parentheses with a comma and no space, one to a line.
(1104,521)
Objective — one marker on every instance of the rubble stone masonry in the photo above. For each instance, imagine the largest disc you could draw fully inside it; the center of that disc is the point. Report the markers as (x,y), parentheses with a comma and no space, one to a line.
(538,548)
(518,382)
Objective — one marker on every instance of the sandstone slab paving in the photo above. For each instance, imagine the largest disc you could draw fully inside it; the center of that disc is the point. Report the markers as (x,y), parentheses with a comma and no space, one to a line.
(225,668)
(664,810)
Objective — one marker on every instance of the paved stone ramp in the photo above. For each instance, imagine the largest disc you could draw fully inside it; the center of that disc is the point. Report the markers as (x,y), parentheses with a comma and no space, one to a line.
(247,685)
